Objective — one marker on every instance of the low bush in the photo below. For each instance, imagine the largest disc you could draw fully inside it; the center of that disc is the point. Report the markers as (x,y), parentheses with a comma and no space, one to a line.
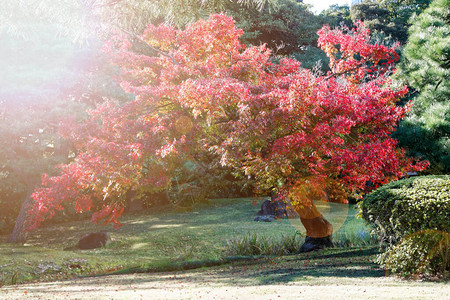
(404,207)
(412,216)
(425,253)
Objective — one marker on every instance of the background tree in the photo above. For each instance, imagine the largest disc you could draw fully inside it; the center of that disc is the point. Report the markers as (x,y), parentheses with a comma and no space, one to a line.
(38,70)
(389,18)
(293,132)
(336,15)
(425,66)
(311,56)
(374,16)
(286,27)
(400,13)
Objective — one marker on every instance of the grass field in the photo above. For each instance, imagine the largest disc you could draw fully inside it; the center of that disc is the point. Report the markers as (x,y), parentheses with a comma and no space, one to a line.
(156,241)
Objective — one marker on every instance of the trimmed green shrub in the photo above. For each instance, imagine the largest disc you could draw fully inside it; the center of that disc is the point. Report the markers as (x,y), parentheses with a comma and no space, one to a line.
(425,253)
(404,207)
(413,215)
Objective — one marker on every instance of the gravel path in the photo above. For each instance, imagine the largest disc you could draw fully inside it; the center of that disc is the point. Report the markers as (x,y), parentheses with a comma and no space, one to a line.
(226,283)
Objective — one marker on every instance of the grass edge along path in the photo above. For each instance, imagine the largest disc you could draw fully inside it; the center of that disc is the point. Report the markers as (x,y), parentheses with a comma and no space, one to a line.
(152,241)
(287,277)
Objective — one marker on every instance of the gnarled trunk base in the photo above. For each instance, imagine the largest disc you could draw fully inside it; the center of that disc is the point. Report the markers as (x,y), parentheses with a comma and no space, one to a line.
(318,229)
(313,244)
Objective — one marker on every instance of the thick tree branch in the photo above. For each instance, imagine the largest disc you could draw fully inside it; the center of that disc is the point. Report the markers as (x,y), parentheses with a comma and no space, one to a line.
(149,46)
(344,72)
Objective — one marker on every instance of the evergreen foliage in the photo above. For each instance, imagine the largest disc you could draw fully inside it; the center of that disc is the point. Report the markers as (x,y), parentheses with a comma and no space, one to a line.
(400,12)
(425,66)
(388,18)
(374,16)
(286,28)
(336,15)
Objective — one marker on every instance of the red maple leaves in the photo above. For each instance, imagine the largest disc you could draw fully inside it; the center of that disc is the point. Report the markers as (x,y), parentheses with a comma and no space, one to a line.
(200,89)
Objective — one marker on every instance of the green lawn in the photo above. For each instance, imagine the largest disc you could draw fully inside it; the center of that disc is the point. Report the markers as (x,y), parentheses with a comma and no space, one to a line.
(156,241)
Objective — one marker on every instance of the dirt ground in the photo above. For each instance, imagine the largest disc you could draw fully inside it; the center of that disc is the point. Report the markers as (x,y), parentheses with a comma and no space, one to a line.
(231,282)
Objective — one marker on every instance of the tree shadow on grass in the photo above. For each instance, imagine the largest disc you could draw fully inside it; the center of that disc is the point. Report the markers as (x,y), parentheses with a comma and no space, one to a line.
(337,263)
(285,275)
(345,263)
(341,253)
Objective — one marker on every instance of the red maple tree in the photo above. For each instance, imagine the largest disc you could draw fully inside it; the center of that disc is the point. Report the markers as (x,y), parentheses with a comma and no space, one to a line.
(294,132)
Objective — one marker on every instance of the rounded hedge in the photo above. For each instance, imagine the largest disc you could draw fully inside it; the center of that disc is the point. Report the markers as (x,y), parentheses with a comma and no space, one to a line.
(410,205)
(425,253)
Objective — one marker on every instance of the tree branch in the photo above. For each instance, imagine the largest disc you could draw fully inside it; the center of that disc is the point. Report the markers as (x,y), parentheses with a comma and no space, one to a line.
(438,84)
(344,72)
(149,46)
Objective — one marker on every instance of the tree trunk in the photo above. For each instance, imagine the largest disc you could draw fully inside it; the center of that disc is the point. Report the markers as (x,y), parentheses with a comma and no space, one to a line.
(318,229)
(19,234)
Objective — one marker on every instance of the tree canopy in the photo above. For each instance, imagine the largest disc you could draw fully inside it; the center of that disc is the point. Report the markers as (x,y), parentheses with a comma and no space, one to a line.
(389,17)
(286,28)
(200,89)
(336,15)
